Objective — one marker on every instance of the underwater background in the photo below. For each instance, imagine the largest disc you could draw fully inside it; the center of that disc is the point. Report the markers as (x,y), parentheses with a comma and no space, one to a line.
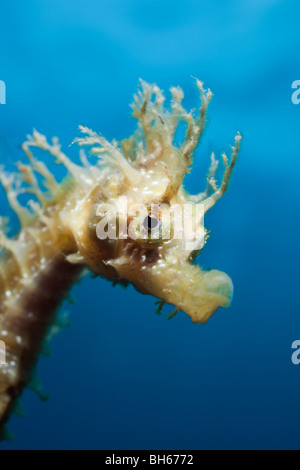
(122,377)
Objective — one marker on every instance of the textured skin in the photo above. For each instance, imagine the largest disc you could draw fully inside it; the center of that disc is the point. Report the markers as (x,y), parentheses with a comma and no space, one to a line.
(26,323)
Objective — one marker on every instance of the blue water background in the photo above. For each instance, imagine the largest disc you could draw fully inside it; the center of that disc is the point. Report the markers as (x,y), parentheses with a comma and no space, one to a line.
(122,377)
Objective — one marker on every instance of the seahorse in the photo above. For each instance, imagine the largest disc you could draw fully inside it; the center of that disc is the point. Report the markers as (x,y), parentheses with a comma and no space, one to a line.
(78,224)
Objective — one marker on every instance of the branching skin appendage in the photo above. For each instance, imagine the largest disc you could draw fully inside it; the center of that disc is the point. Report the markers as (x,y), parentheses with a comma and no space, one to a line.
(59,235)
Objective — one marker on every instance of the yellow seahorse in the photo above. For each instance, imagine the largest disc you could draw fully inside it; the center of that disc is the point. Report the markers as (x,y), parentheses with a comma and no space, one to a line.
(67,227)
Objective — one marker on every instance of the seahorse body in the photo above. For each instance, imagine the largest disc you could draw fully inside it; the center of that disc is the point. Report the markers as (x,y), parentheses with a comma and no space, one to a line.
(67,228)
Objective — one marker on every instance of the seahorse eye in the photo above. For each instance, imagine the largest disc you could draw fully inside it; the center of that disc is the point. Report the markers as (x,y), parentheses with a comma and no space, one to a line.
(150,223)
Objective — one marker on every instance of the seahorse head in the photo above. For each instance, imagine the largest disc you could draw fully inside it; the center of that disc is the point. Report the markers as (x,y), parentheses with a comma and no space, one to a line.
(144,228)
(127,217)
